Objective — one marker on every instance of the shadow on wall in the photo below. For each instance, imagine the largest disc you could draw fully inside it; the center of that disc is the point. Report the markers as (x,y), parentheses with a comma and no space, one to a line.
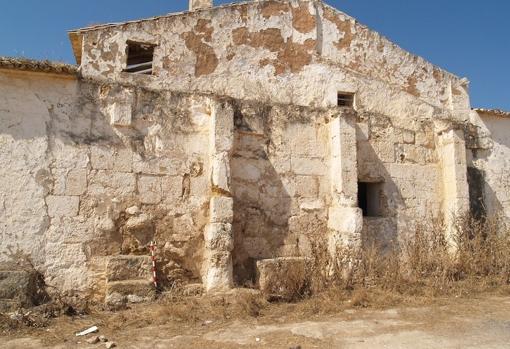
(489,180)
(262,205)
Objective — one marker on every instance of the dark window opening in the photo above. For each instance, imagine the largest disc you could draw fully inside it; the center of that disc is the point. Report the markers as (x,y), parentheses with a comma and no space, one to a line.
(370,197)
(139,58)
(476,183)
(345,99)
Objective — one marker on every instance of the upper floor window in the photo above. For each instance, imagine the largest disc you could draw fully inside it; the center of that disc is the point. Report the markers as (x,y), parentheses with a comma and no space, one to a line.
(345,99)
(139,58)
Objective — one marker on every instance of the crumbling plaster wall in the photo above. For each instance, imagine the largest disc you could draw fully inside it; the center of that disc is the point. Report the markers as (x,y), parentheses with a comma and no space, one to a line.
(76,189)
(291,52)
(303,53)
(489,152)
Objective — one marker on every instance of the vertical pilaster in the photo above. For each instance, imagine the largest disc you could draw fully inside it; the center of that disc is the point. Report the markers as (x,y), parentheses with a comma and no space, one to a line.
(345,218)
(218,234)
(452,156)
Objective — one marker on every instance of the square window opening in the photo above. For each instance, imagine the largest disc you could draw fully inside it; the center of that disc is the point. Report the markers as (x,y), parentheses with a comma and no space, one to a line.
(345,99)
(370,196)
(140,57)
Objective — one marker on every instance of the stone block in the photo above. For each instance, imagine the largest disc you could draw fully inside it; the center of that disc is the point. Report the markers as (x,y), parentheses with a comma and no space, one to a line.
(138,222)
(221,209)
(282,278)
(246,169)
(123,160)
(308,166)
(171,188)
(122,268)
(219,237)
(117,184)
(120,113)
(347,220)
(149,189)
(120,293)
(101,158)
(220,174)
(159,166)
(63,206)
(76,182)
(199,186)
(222,128)
(184,228)
(307,186)
(303,139)
(310,205)
(219,275)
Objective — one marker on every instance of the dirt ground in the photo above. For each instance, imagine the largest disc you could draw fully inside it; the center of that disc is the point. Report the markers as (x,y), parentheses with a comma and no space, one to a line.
(478,322)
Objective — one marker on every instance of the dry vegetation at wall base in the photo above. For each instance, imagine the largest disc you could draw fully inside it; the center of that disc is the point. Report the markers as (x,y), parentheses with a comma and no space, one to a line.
(423,268)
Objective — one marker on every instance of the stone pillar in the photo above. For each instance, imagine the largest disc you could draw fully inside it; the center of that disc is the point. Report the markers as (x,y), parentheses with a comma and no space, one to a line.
(451,150)
(200,4)
(218,235)
(345,219)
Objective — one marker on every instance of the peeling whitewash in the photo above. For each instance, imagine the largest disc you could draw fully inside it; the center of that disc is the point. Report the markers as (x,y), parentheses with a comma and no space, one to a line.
(233,150)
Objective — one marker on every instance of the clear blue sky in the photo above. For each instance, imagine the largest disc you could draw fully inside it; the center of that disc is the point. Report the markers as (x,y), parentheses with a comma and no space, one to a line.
(467,37)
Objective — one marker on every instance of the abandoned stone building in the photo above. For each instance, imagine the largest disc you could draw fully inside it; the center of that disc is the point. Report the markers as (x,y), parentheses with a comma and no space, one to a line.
(229,135)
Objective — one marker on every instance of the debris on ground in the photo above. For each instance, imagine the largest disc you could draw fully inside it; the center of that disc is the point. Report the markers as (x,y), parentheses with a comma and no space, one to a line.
(89,330)
(93,340)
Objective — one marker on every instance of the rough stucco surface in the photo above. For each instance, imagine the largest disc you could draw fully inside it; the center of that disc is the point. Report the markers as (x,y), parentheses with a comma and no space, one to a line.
(491,155)
(234,150)
(298,52)
(76,189)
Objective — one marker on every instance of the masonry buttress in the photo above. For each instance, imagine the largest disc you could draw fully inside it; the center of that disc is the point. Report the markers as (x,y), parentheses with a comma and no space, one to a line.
(218,235)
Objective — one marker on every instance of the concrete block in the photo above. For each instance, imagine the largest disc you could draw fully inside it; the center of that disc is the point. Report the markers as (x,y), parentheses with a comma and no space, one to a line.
(63,206)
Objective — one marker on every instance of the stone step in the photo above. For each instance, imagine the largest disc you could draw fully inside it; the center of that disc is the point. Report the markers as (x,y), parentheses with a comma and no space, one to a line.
(282,278)
(120,293)
(128,267)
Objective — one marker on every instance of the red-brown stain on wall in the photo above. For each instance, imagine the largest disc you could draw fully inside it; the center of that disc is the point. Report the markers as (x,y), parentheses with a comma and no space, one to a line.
(196,42)
(302,20)
(291,56)
(343,26)
(273,8)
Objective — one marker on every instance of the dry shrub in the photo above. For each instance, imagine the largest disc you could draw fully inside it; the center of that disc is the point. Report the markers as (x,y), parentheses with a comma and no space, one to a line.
(424,264)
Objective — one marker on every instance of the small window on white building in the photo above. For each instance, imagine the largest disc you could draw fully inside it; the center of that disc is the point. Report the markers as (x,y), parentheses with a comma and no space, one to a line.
(139,58)
(370,196)
(345,99)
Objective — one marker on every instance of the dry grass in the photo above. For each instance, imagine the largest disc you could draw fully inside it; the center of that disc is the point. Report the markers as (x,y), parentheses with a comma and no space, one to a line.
(421,267)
